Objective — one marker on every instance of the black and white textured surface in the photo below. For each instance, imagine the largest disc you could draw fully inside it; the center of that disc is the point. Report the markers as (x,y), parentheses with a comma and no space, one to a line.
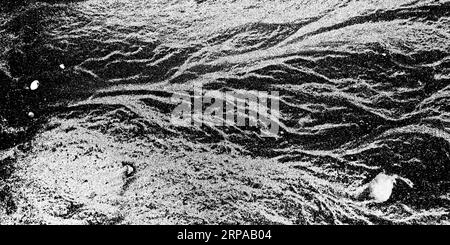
(85,108)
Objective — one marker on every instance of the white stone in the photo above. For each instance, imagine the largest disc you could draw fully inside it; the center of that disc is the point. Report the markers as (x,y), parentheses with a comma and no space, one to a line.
(380,188)
(129,170)
(34,85)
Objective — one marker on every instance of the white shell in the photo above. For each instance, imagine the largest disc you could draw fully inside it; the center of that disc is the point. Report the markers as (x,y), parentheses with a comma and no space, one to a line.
(31,114)
(62,66)
(380,188)
(129,170)
(34,85)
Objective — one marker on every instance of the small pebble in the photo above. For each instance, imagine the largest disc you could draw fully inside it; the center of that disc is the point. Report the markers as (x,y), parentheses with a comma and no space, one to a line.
(62,66)
(380,188)
(34,85)
(30,114)
(129,170)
